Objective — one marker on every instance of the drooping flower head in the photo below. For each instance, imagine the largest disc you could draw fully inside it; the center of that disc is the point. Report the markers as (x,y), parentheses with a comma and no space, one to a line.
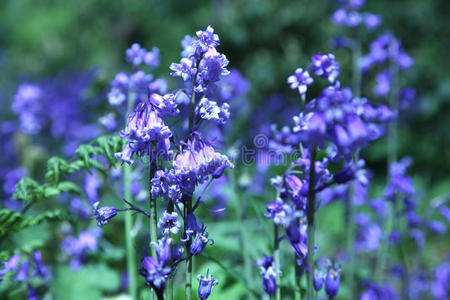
(205,285)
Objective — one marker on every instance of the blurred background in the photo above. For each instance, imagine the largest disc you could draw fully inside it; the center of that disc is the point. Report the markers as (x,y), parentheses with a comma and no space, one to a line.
(78,46)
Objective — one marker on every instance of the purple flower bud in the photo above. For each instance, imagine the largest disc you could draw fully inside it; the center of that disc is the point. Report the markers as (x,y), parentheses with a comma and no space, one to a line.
(268,272)
(199,242)
(319,279)
(205,285)
(104,214)
(332,283)
(372,21)
(22,274)
(163,251)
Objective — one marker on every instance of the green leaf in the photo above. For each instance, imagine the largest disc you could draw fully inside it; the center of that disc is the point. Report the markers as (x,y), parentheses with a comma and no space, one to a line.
(87,283)
(68,186)
(28,191)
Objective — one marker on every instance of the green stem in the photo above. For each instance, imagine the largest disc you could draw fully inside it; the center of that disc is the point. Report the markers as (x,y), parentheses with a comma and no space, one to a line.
(153,211)
(276,256)
(392,157)
(310,211)
(188,283)
(131,254)
(169,287)
(350,205)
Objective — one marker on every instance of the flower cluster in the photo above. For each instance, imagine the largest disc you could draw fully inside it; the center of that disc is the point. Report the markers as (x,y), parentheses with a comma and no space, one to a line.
(195,161)
(269,273)
(348,15)
(25,267)
(77,248)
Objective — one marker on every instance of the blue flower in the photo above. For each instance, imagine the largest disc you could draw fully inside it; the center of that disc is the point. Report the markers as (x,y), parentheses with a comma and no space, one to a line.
(205,285)
(332,282)
(300,80)
(154,273)
(325,66)
(319,279)
(169,223)
(163,251)
(207,39)
(104,214)
(268,272)
(184,69)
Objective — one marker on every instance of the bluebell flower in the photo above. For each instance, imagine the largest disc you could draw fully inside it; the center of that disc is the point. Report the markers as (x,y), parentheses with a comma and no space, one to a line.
(167,106)
(184,69)
(108,121)
(169,223)
(163,251)
(209,110)
(319,279)
(197,161)
(269,273)
(205,285)
(297,236)
(77,248)
(10,265)
(324,65)
(332,282)
(154,273)
(137,55)
(103,214)
(372,21)
(29,104)
(200,241)
(300,80)
(39,266)
(207,39)
(22,273)
(368,234)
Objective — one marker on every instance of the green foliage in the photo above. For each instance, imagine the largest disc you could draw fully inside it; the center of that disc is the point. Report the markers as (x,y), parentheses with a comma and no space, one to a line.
(11,221)
(87,283)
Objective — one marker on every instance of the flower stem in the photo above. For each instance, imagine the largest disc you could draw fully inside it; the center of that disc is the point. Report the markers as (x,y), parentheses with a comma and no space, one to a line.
(310,211)
(391,158)
(276,255)
(131,254)
(350,205)
(188,282)
(169,287)
(153,212)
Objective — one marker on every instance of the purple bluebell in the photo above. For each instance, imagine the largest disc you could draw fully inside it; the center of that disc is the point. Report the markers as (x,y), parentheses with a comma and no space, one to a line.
(200,241)
(137,55)
(40,269)
(207,39)
(300,80)
(297,236)
(372,21)
(29,105)
(108,121)
(103,214)
(324,65)
(209,110)
(205,285)
(185,69)
(169,223)
(163,251)
(77,248)
(319,279)
(10,265)
(269,273)
(233,86)
(146,133)
(332,282)
(167,106)
(439,283)
(368,234)
(22,273)
(197,161)
(155,274)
